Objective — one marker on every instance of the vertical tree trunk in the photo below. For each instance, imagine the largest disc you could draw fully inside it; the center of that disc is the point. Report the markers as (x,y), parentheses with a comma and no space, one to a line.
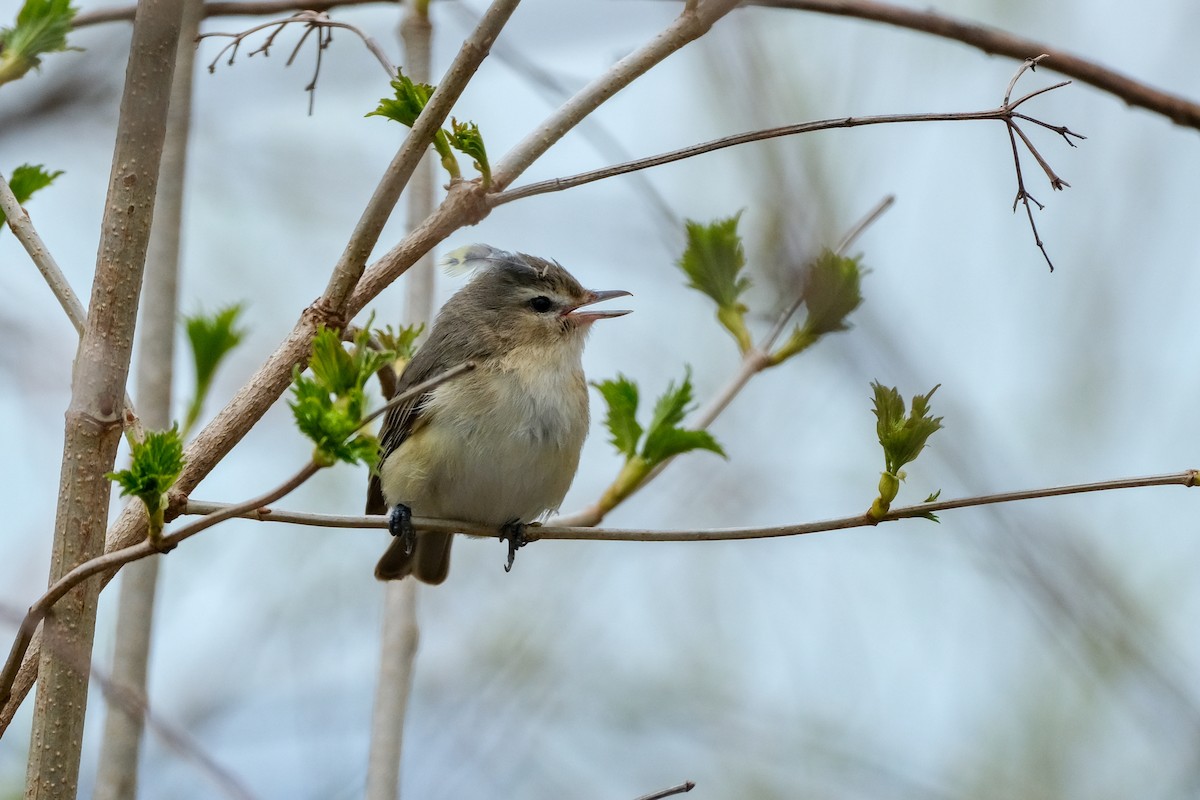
(119,749)
(93,420)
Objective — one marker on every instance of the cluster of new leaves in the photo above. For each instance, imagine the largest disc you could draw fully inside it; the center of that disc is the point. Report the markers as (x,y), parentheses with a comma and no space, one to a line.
(330,404)
(42,27)
(409,100)
(902,437)
(212,337)
(28,179)
(155,464)
(663,438)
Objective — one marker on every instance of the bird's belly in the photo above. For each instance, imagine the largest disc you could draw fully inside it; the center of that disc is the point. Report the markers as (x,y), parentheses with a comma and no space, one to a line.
(484,473)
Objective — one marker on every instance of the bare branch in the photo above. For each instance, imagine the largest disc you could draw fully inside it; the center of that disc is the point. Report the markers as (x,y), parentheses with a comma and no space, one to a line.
(1187,478)
(1002,114)
(317,21)
(22,227)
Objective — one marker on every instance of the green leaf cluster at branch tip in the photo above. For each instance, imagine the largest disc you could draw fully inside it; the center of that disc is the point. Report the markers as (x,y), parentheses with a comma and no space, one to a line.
(155,464)
(329,406)
(664,438)
(410,99)
(832,290)
(42,27)
(713,261)
(212,337)
(902,437)
(28,179)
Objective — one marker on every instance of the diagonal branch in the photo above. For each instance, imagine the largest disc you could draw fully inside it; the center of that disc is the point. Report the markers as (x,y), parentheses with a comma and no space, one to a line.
(22,227)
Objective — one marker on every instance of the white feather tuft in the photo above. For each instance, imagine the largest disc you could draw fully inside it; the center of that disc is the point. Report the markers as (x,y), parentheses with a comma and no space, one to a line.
(473,257)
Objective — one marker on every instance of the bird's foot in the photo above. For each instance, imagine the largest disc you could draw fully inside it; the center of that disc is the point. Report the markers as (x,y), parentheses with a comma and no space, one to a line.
(513,532)
(400,524)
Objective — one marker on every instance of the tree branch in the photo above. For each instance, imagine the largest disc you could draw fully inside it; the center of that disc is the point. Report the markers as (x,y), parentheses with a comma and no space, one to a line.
(1004,113)
(1187,478)
(22,227)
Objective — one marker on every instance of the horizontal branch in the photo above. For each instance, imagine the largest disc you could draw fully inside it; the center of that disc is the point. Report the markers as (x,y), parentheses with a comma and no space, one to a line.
(994,41)
(1001,114)
(265,514)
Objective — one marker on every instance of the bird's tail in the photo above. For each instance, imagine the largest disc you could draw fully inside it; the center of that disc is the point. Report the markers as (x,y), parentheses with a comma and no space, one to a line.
(429,562)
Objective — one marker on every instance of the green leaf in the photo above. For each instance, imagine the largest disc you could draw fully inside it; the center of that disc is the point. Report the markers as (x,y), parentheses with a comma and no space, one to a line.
(212,337)
(154,467)
(465,137)
(42,27)
(673,441)
(713,259)
(664,437)
(621,396)
(902,437)
(28,179)
(933,497)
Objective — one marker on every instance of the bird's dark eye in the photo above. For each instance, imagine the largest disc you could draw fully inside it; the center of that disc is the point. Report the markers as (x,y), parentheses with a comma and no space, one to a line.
(541,304)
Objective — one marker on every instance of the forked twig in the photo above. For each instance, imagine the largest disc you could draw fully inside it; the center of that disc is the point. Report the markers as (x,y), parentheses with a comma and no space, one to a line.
(318,21)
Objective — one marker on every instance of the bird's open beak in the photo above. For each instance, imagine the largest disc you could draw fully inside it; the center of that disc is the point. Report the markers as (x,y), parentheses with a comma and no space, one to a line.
(596,297)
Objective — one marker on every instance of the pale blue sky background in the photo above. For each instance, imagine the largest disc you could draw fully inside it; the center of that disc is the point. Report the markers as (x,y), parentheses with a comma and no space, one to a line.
(973,658)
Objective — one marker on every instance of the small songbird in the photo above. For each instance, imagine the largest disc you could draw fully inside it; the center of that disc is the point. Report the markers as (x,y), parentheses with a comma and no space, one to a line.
(499,445)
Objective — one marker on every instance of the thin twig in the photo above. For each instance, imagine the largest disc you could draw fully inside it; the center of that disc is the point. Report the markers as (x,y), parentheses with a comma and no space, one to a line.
(682,788)
(1187,478)
(22,227)
(317,21)
(1002,114)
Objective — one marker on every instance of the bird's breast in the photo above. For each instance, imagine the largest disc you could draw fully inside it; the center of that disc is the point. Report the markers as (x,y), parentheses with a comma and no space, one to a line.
(498,444)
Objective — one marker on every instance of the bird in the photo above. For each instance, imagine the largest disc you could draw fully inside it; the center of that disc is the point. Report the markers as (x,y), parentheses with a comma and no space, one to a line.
(500,444)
